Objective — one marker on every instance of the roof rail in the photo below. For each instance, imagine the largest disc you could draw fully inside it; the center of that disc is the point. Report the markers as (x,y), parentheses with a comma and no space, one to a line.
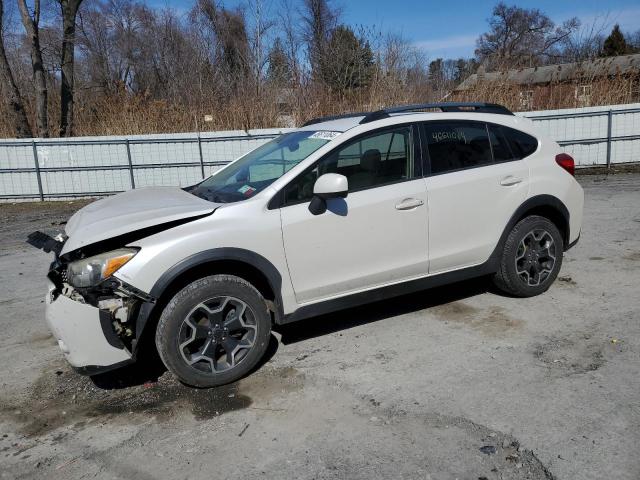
(334,117)
(477,107)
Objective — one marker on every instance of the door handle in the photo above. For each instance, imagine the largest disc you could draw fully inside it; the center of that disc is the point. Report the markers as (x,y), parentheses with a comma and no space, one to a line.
(510,180)
(409,203)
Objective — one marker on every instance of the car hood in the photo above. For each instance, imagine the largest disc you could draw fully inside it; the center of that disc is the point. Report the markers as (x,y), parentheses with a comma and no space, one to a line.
(131,211)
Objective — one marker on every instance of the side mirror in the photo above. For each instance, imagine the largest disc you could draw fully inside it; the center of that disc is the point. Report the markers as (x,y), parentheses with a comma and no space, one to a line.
(329,185)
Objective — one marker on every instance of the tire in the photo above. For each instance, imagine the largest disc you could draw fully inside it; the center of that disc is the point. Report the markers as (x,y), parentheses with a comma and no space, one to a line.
(214,331)
(531,257)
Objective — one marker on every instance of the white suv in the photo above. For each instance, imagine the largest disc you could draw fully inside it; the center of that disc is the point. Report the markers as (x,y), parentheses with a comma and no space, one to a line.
(342,211)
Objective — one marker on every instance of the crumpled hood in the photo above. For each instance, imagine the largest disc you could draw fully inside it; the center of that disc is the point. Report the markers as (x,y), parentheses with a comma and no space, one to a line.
(131,211)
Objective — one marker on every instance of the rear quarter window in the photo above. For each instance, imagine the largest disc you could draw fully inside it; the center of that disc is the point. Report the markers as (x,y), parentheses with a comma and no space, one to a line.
(522,144)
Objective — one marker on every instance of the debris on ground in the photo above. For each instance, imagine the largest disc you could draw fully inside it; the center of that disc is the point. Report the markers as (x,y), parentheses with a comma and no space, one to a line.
(488,449)
(567,279)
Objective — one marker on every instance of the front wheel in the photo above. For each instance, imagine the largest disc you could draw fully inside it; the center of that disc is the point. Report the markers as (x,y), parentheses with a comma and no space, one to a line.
(214,331)
(531,257)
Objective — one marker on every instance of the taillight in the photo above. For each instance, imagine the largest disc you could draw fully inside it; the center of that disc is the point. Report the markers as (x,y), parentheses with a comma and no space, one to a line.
(566,161)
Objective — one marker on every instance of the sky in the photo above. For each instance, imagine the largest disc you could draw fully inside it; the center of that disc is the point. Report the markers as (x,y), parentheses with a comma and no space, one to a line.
(450,29)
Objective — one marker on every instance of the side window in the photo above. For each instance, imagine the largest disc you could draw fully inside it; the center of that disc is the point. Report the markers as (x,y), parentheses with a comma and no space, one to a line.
(499,144)
(368,161)
(522,145)
(457,145)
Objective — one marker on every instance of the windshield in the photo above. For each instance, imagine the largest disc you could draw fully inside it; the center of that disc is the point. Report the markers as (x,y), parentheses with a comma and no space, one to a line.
(261,167)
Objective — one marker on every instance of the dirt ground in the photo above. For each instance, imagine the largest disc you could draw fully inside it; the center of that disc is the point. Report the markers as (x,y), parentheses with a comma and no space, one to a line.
(452,383)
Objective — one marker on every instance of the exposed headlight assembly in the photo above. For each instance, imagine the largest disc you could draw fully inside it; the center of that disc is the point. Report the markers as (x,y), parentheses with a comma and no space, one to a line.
(89,272)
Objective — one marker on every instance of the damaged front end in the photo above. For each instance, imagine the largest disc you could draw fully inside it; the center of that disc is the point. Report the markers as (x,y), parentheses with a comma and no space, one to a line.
(90,312)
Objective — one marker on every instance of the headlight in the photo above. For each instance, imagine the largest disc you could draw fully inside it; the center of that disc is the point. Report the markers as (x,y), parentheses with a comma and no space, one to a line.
(89,272)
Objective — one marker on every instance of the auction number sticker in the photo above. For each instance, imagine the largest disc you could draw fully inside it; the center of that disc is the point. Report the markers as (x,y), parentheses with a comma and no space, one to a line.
(325,135)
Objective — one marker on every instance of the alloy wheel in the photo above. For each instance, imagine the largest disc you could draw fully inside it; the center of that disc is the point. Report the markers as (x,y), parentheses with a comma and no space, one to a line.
(217,334)
(536,257)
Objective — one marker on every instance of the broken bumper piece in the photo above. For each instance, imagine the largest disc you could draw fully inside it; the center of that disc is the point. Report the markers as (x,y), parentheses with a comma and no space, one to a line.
(47,243)
(84,334)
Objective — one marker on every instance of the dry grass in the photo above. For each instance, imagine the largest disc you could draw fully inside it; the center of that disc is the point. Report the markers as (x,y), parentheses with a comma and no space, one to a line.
(125,114)
(604,91)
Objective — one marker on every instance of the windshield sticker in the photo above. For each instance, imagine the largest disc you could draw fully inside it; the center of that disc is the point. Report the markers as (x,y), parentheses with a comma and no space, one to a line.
(448,135)
(325,135)
(247,190)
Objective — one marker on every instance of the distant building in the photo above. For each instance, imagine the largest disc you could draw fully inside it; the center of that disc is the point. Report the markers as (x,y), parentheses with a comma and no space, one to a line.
(608,80)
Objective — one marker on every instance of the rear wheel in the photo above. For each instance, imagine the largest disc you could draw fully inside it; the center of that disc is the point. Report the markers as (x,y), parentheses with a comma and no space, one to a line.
(214,331)
(531,257)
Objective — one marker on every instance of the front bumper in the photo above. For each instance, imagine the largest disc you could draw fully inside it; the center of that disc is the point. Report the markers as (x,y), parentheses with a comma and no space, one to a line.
(86,341)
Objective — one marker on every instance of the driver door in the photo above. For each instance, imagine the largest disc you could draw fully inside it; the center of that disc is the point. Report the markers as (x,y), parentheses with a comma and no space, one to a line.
(375,236)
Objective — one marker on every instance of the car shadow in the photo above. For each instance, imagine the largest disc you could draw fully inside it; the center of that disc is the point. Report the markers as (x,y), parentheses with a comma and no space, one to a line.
(380,310)
(149,368)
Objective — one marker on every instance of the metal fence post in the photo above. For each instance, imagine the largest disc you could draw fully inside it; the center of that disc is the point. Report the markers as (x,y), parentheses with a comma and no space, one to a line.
(133,181)
(609,127)
(37,164)
(201,158)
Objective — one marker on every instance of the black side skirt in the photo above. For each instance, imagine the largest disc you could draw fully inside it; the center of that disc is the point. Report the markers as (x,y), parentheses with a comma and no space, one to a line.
(490,266)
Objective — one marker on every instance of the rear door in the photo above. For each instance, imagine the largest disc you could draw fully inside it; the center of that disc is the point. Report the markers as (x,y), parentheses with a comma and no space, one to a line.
(474,182)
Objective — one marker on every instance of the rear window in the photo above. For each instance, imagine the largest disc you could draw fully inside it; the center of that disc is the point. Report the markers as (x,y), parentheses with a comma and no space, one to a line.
(522,145)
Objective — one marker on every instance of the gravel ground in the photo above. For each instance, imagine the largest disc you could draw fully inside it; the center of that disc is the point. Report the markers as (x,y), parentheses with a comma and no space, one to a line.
(455,382)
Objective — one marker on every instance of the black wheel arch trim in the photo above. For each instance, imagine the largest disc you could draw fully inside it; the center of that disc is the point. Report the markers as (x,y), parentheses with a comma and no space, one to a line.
(252,259)
(536,201)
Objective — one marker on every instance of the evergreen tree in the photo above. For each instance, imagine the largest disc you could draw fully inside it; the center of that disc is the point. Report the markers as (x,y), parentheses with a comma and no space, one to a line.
(279,70)
(348,63)
(615,44)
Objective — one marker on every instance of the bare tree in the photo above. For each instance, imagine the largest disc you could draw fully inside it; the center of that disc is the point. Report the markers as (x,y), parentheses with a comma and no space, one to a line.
(232,42)
(261,24)
(319,20)
(520,37)
(69,10)
(31,21)
(287,24)
(584,43)
(10,90)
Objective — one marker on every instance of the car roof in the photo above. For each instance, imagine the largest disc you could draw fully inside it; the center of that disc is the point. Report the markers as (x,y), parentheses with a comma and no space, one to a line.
(337,125)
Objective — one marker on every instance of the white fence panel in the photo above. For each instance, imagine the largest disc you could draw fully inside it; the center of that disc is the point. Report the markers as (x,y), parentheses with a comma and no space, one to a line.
(88,166)
(593,135)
